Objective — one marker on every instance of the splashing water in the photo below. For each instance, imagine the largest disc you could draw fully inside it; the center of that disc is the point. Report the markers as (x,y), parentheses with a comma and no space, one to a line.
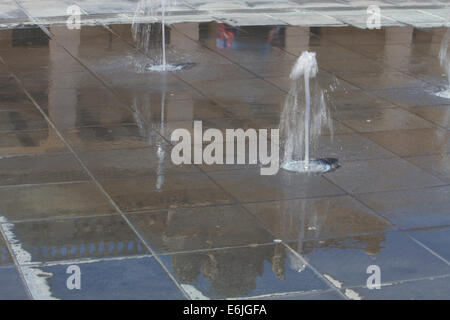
(143,29)
(304,115)
(444,59)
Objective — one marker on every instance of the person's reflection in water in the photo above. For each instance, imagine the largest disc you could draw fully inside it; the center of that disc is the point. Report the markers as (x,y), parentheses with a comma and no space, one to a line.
(225,36)
(237,39)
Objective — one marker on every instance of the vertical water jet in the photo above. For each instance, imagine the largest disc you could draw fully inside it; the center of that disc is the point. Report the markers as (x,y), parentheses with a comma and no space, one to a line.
(304,115)
(144,28)
(444,60)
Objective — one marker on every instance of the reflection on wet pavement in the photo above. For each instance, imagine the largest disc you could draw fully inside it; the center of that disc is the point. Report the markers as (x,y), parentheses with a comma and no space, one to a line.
(86,176)
(397,255)
(241,272)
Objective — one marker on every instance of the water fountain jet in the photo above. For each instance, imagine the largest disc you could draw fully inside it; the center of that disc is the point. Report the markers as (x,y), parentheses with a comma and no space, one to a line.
(444,60)
(142,30)
(303,117)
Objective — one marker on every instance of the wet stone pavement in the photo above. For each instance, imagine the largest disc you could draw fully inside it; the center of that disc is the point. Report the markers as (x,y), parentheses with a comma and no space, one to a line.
(86,177)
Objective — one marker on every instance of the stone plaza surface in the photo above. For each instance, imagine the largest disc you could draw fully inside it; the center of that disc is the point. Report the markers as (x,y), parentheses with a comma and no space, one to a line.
(86,176)
(309,13)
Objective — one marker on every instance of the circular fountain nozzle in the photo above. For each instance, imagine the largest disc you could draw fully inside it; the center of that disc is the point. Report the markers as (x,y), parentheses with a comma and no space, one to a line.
(306,63)
(170,67)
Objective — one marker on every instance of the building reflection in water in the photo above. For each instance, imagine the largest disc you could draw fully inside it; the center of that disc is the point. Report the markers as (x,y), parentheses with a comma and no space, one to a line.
(230,273)
(235,272)
(87,239)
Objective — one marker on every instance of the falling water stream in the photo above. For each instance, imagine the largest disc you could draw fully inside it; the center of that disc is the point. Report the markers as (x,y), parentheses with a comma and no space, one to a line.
(304,115)
(444,59)
(143,28)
